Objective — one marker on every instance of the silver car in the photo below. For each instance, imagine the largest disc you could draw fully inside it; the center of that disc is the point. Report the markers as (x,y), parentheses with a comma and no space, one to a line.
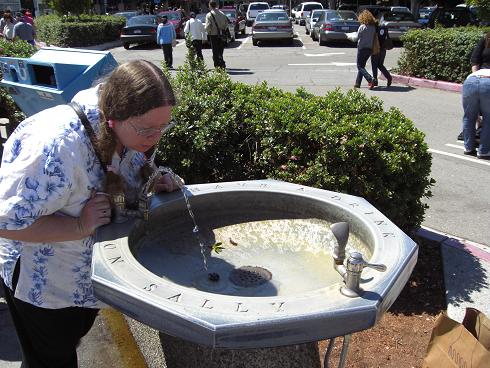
(312,19)
(272,25)
(336,25)
(398,23)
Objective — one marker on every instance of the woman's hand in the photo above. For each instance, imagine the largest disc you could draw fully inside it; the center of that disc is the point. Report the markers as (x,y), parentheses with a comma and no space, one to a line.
(169,183)
(95,213)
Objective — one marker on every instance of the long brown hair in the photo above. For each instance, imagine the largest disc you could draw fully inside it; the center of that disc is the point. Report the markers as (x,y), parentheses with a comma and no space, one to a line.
(133,89)
(366,17)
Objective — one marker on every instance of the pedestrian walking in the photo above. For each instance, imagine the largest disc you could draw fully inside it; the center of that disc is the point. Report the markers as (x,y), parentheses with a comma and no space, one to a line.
(216,27)
(7,26)
(378,60)
(166,38)
(365,34)
(196,31)
(53,170)
(24,30)
(476,101)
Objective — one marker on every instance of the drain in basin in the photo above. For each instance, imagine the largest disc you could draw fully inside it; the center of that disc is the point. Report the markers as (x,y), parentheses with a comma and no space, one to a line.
(250,276)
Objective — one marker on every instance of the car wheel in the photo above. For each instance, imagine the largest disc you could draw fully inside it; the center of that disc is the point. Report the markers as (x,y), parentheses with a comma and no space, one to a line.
(322,42)
(255,42)
(243,31)
(126,45)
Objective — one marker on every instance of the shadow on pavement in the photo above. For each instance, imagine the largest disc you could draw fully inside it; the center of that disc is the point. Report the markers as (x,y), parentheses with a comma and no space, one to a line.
(238,71)
(295,43)
(393,88)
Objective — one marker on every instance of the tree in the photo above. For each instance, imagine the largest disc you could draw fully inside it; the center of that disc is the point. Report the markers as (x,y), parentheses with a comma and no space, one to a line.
(62,7)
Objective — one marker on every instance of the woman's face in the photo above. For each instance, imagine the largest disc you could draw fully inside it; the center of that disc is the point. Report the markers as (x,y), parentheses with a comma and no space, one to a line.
(142,132)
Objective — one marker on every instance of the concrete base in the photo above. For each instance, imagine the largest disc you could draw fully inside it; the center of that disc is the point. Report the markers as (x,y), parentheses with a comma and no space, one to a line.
(183,354)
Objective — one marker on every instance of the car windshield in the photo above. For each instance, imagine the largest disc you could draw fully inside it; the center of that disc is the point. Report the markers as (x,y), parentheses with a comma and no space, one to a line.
(398,17)
(142,19)
(316,14)
(126,15)
(258,6)
(310,7)
(171,16)
(230,13)
(266,17)
(342,15)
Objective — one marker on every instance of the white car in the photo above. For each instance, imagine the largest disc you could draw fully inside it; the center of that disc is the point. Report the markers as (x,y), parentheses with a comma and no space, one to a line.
(254,9)
(302,11)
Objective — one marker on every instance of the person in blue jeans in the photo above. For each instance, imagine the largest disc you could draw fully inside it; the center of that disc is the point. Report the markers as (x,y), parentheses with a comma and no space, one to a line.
(365,34)
(378,60)
(476,101)
(165,37)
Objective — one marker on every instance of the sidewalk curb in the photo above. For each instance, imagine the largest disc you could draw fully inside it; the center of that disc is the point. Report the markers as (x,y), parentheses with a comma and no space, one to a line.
(478,250)
(426,83)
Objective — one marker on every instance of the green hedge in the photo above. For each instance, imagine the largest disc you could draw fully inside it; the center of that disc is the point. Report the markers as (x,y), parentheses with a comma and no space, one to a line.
(440,53)
(77,31)
(342,142)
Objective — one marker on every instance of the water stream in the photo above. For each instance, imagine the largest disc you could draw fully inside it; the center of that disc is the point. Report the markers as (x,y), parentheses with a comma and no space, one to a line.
(195,230)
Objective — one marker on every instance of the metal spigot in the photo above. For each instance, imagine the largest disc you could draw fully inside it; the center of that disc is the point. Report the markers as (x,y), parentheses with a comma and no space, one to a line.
(341,232)
(352,277)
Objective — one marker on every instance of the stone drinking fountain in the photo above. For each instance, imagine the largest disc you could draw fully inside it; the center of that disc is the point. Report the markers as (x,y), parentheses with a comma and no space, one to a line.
(270,268)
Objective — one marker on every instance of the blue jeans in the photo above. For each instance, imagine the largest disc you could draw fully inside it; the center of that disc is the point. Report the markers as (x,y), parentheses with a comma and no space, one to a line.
(476,101)
(362,58)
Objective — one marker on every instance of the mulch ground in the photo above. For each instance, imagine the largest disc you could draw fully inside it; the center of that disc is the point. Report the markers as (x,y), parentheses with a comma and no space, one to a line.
(400,339)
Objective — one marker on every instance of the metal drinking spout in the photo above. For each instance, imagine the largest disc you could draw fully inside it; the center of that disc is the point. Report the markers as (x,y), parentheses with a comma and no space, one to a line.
(352,278)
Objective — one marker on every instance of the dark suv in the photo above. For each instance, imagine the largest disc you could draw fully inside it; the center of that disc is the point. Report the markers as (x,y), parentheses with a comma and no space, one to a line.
(452,17)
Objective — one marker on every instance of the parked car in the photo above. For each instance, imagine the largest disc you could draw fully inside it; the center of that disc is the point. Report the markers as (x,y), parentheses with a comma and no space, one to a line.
(272,25)
(312,19)
(238,20)
(398,23)
(451,17)
(139,29)
(400,9)
(281,7)
(374,9)
(303,11)
(424,14)
(335,25)
(474,10)
(231,28)
(177,19)
(127,14)
(253,10)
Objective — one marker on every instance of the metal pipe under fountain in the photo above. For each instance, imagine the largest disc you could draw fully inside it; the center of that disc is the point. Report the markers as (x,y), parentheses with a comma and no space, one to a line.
(355,263)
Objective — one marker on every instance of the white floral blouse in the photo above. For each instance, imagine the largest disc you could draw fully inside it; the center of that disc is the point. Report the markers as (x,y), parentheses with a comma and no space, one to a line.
(49,167)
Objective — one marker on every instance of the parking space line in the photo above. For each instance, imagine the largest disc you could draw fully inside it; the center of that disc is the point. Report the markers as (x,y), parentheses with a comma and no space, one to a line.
(466,158)
(243,43)
(455,145)
(326,54)
(323,64)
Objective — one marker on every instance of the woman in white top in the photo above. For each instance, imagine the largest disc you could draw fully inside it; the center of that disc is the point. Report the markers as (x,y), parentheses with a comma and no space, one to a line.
(8,26)
(49,207)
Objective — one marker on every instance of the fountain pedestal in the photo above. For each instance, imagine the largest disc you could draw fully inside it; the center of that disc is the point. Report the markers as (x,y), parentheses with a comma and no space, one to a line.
(183,354)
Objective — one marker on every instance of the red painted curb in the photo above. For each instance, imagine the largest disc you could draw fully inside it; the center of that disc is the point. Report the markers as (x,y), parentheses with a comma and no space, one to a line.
(427,83)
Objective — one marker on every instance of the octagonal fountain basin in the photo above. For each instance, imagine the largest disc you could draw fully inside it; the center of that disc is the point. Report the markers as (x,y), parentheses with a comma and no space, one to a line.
(258,273)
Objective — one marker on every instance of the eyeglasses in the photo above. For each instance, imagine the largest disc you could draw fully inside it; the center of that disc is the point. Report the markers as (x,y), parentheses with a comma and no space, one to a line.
(151,132)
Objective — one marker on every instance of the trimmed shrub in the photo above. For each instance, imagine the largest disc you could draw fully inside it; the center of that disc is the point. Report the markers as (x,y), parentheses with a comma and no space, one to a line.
(439,53)
(8,108)
(77,31)
(342,142)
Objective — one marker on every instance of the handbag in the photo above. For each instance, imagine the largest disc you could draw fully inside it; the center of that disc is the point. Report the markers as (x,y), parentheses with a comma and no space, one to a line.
(376,46)
(388,42)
